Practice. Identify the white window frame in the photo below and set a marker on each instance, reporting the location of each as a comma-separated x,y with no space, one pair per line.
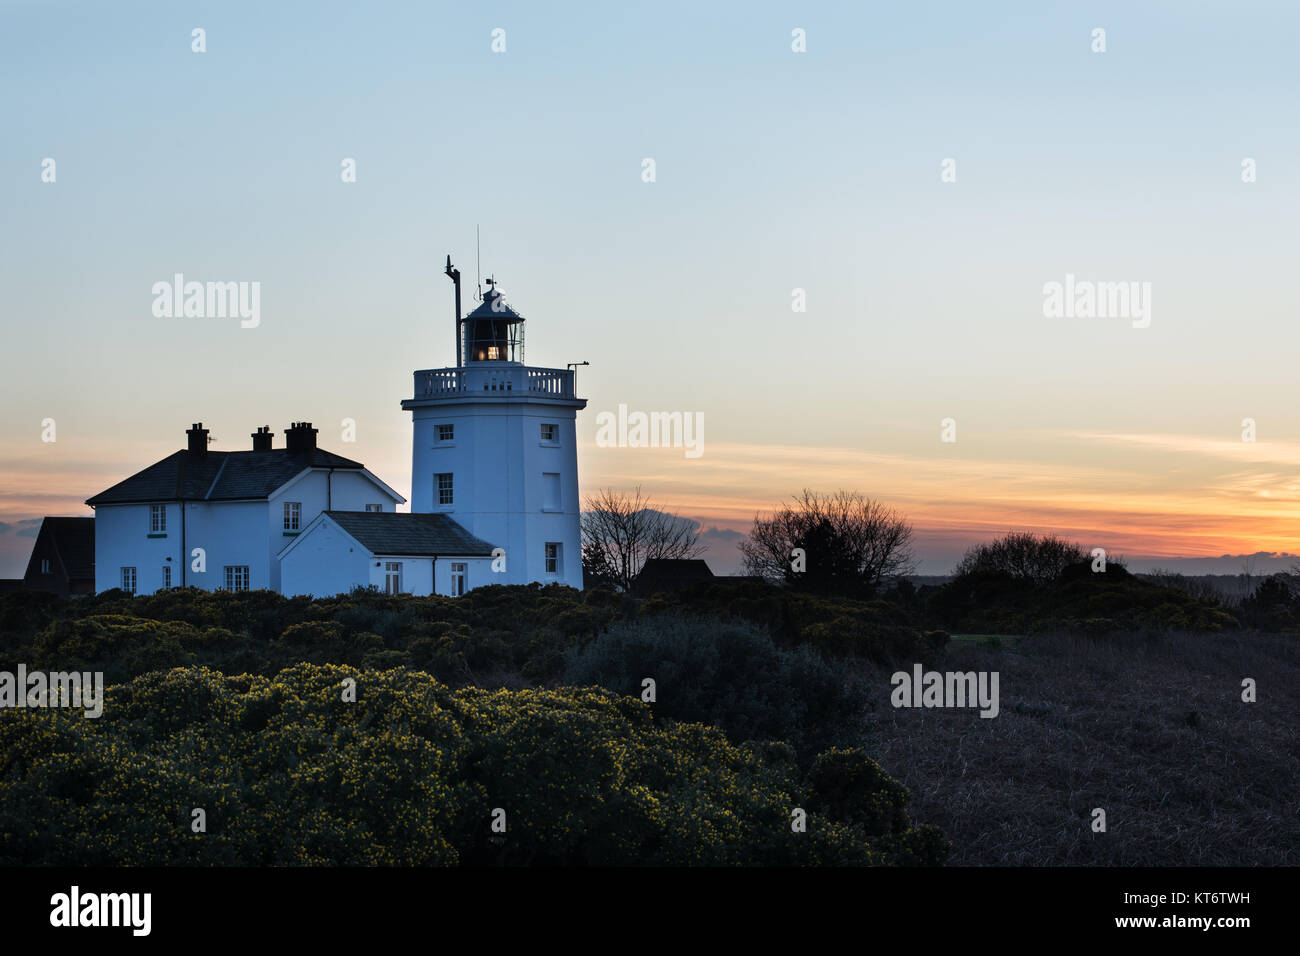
166,575
157,519
554,558
459,577
234,575
554,438
392,577
442,439
293,516
129,579
374,509
450,489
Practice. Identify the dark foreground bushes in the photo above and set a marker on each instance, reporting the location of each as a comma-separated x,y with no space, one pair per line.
288,772
729,674
1078,601
515,635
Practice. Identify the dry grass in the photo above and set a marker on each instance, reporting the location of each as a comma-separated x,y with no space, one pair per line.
1150,728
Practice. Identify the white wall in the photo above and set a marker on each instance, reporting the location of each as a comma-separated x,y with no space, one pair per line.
319,490
325,561
498,459
228,532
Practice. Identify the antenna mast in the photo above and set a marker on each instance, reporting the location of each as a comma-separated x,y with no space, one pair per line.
478,263
454,275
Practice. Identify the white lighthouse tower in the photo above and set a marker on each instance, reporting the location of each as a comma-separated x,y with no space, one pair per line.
495,447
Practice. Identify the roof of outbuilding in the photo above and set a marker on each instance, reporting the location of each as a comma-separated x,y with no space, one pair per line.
219,475
401,533
74,539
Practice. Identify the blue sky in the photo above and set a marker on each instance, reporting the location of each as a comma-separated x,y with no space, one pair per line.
774,171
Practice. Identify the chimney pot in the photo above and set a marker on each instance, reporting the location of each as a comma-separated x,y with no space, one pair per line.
198,439
300,436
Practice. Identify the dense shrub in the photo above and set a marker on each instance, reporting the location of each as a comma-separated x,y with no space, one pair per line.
838,627
1079,601
1022,556
288,772
729,674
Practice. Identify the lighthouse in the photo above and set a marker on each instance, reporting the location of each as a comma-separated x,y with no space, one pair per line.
494,447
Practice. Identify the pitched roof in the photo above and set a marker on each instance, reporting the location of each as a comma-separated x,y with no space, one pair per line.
672,573
219,475
389,532
74,541
489,308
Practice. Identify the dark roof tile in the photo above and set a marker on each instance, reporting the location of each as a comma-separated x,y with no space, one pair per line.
218,475
401,533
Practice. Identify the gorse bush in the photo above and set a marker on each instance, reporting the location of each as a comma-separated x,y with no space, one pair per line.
726,673
289,773
520,634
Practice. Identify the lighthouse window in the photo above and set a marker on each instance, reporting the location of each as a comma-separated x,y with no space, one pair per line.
443,482
493,353
446,432
552,557
551,433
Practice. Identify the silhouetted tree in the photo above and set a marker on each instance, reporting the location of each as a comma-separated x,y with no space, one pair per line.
1024,556
621,532
850,544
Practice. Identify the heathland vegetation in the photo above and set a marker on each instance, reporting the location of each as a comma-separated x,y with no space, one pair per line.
537,724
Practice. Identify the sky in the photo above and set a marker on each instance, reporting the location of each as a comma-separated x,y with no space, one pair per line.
917,176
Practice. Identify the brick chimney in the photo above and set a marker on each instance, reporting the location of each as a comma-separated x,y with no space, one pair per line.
300,436
198,439
262,439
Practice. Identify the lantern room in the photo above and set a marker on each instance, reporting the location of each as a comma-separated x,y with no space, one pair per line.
493,332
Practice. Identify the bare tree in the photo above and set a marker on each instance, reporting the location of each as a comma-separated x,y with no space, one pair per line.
621,532
850,544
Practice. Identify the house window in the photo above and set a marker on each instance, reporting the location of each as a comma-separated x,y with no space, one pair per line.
166,575
446,432
45,565
551,433
292,515
393,577
458,569
236,577
550,491
373,508
552,557
128,580
442,484
157,519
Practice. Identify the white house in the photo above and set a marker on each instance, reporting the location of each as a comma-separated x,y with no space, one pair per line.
494,478
218,519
